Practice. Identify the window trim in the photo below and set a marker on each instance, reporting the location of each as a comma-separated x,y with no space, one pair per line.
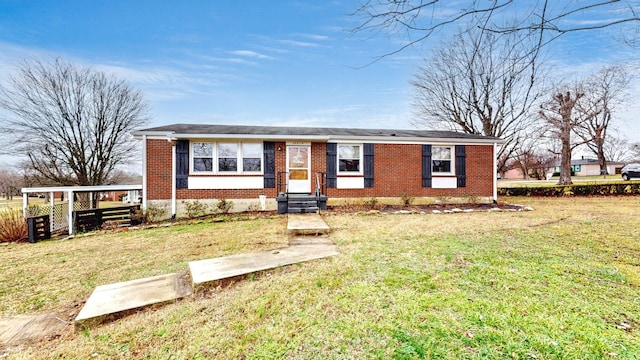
215,158
360,171
192,169
453,161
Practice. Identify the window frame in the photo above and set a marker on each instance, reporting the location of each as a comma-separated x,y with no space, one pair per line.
452,167
215,158
192,157
360,159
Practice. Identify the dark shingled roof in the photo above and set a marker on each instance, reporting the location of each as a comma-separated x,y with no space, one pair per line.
274,131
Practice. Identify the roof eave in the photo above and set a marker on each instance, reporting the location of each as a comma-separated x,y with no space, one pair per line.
376,139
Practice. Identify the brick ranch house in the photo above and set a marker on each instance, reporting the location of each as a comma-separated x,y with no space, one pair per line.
246,163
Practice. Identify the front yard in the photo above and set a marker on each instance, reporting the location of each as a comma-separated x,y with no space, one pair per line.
562,281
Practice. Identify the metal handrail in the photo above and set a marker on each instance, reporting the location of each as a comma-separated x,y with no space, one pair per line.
321,184
285,182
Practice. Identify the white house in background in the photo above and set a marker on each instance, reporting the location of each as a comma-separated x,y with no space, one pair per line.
590,167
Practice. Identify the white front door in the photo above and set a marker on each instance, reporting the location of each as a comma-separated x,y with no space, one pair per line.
299,168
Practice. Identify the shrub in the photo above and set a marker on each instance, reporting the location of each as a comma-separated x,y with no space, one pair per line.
195,208
154,213
224,206
615,189
370,202
406,198
13,226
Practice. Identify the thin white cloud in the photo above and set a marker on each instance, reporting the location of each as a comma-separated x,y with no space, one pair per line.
316,37
296,43
251,54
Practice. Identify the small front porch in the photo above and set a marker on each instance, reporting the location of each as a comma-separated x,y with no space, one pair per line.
301,202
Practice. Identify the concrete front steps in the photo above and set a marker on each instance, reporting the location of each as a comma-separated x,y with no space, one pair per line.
107,300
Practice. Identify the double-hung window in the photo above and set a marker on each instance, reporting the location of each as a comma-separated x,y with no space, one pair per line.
251,157
226,157
441,159
349,159
202,157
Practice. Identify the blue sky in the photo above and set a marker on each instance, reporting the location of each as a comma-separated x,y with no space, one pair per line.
291,63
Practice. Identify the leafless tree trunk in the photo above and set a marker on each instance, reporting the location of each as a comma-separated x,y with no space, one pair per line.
417,20
480,84
72,124
604,91
558,114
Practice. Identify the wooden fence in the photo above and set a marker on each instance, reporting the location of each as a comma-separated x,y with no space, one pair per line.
39,228
94,219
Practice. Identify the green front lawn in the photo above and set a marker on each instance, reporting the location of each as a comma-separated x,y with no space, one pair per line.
560,282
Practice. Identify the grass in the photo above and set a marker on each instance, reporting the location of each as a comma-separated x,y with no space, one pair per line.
560,282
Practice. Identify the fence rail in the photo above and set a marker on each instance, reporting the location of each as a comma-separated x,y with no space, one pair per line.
94,219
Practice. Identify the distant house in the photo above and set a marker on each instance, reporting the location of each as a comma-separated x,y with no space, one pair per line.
590,167
513,173
245,163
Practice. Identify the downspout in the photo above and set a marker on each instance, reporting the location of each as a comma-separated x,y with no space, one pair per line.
173,178
495,174
144,172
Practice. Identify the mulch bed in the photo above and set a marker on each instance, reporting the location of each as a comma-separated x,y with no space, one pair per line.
431,208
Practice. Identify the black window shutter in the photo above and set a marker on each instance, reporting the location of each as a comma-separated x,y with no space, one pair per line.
182,164
461,166
426,166
368,165
269,150
332,164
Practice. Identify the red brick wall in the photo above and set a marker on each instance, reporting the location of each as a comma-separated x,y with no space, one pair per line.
158,170
398,169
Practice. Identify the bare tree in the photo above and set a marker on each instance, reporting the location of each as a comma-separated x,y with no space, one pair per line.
558,113
479,84
617,148
73,124
604,91
10,182
417,20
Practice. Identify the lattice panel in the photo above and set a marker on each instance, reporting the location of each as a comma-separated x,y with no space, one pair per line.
59,219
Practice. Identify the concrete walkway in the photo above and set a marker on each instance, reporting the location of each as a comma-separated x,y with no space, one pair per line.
120,297
114,298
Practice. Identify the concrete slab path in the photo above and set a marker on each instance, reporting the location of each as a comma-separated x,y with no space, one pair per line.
205,272
306,224
128,295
